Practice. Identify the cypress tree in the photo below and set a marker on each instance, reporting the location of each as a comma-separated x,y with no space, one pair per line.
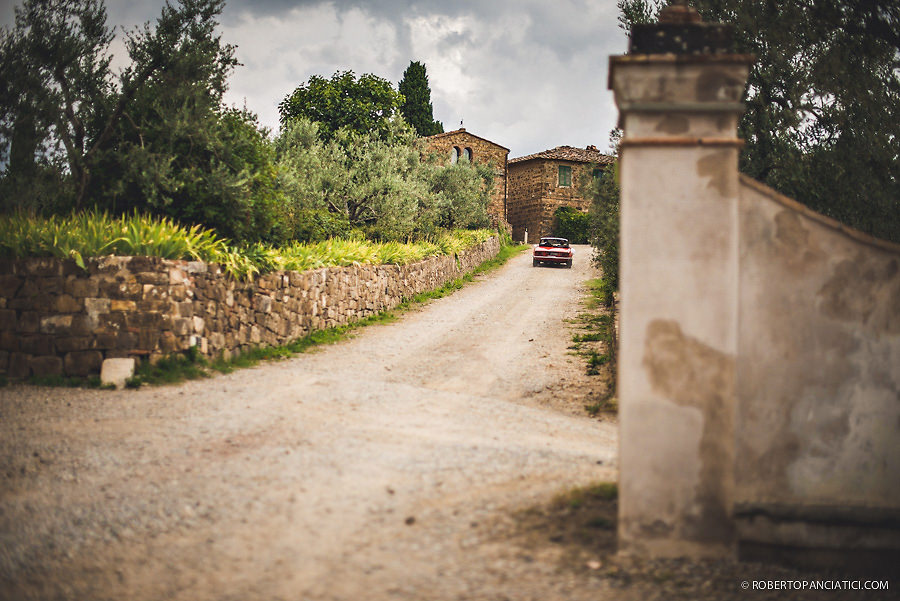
416,107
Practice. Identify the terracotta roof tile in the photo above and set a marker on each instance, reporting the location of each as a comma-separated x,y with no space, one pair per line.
570,153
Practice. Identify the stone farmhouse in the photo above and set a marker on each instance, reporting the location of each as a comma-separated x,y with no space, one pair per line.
541,183
460,144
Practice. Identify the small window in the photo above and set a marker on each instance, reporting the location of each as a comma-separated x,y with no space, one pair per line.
467,154
597,173
454,154
565,176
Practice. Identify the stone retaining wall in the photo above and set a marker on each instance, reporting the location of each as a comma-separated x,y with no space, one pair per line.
56,318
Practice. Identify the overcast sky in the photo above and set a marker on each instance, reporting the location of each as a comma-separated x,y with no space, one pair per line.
527,74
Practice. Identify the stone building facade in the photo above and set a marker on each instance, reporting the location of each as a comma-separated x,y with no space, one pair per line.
460,144
541,183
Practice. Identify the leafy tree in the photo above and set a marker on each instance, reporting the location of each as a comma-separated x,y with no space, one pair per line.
822,101
462,192
60,107
177,152
604,215
55,93
362,105
416,107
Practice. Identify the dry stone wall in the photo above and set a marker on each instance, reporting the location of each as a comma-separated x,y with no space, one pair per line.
56,318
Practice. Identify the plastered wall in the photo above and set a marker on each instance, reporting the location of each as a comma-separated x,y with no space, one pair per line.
759,363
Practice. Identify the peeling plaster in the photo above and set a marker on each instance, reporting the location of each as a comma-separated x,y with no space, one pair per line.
693,374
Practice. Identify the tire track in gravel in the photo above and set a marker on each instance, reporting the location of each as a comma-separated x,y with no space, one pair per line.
367,469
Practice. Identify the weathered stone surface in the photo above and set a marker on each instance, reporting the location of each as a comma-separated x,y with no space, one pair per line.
9,285
67,304
56,324
121,307
36,344
82,363
18,365
9,341
7,319
117,371
81,287
73,343
46,366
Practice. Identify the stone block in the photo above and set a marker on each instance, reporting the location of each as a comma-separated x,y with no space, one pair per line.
9,341
43,267
29,322
19,365
199,324
56,324
46,366
139,264
148,339
176,276
153,278
178,292
81,287
122,305
167,342
182,326
7,319
9,285
117,371
195,267
97,306
83,363
68,344
53,286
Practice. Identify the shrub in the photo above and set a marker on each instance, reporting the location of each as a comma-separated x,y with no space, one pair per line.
573,225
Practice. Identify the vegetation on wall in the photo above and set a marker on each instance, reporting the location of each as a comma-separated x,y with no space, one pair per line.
90,234
821,103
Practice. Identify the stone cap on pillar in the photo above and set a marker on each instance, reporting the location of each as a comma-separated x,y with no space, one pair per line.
680,30
680,66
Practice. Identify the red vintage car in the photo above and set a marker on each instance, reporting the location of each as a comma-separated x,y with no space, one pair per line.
553,250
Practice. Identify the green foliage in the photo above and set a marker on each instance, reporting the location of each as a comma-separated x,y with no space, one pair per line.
572,224
416,107
604,224
365,105
383,187
63,114
821,102
462,192
92,234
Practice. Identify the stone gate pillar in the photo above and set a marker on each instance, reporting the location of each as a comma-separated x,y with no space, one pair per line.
679,95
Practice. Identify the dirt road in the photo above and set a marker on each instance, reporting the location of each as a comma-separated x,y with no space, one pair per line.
371,469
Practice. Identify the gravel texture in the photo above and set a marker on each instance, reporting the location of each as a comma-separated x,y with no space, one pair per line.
396,465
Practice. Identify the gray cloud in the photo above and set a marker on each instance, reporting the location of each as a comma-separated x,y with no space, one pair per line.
528,74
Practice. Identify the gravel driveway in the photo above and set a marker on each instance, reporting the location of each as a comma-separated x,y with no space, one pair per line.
371,469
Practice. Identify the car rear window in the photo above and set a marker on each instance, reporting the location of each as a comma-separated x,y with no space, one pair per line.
555,242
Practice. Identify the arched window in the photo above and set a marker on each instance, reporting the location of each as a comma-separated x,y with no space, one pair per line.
454,154
467,154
